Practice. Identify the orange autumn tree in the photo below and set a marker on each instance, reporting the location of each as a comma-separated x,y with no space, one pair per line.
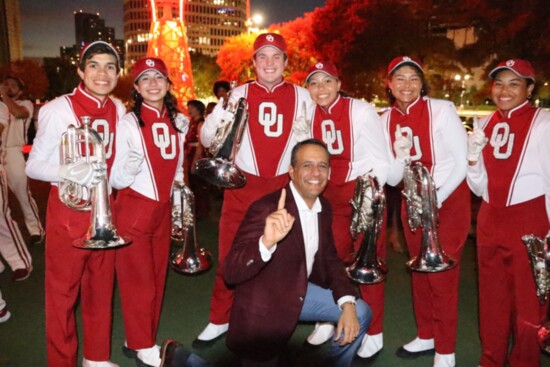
235,56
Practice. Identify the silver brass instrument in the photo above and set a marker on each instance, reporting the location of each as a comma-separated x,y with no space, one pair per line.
539,256
190,259
421,203
367,268
221,170
101,234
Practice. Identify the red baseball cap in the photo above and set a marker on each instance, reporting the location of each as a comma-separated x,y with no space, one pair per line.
90,46
270,39
404,60
325,67
149,64
522,68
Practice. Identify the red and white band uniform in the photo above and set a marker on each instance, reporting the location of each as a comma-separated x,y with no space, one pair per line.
12,246
264,157
439,142
513,178
354,137
149,191
70,269
14,165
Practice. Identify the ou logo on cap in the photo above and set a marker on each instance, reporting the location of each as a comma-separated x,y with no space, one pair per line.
150,62
319,65
510,63
269,38
406,58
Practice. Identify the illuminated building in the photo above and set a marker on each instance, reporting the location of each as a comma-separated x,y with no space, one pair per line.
208,23
11,47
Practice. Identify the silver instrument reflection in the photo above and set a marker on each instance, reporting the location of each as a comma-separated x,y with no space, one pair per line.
101,233
190,259
221,170
539,257
367,268
421,203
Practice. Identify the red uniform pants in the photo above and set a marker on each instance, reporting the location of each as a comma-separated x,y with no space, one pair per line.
235,205
141,266
68,270
508,303
435,295
339,197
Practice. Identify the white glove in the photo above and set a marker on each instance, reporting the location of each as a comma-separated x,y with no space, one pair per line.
221,115
84,173
367,203
133,163
182,124
402,144
476,142
302,126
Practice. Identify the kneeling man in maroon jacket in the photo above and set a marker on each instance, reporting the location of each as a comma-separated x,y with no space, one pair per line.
285,269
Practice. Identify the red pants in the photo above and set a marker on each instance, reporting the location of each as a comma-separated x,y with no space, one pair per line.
68,270
435,295
508,304
141,266
235,205
339,197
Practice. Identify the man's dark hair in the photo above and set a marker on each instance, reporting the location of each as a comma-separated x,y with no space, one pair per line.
198,105
221,84
97,49
17,80
297,147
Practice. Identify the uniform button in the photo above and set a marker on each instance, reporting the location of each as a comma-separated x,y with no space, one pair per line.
249,262
301,299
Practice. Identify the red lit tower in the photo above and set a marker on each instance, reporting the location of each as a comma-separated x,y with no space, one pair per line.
169,43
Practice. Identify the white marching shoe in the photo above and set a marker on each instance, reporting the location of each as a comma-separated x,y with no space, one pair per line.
370,345
322,332
88,363
418,347
148,357
210,334
444,360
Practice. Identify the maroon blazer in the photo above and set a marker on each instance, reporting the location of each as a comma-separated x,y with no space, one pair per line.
269,296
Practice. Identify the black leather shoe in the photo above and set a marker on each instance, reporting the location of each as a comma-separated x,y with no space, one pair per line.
368,360
129,353
403,353
201,344
173,354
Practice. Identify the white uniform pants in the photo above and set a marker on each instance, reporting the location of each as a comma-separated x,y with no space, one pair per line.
17,180
12,246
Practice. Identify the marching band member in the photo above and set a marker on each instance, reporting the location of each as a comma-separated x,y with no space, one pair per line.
512,175
69,269
429,131
21,111
354,137
149,160
12,246
264,156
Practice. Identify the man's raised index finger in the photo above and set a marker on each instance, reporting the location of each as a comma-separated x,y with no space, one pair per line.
282,199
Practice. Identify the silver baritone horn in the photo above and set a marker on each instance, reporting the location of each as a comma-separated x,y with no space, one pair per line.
539,256
367,268
101,234
421,201
190,259
221,170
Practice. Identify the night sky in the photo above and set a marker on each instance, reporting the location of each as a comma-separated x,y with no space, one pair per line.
47,25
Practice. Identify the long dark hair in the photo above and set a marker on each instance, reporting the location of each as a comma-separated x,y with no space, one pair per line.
169,101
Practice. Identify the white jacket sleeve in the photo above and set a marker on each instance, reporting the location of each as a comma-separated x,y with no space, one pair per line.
544,151
456,141
476,175
43,162
127,138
